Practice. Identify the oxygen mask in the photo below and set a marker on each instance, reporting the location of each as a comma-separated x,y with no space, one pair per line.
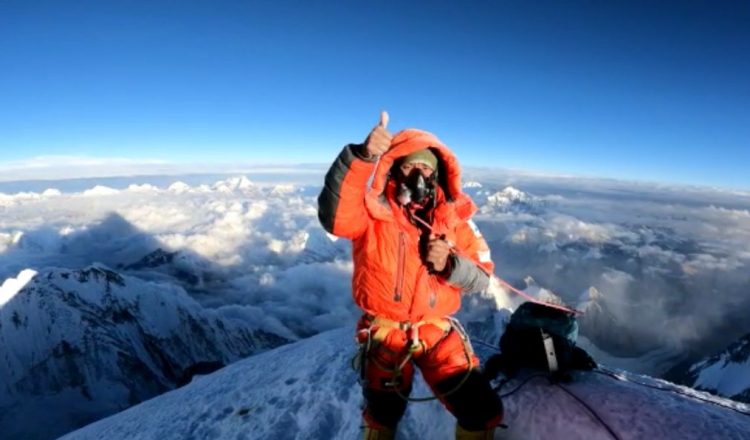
415,190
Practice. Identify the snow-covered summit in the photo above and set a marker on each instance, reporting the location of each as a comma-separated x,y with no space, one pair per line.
509,199
234,184
307,390
187,269
509,193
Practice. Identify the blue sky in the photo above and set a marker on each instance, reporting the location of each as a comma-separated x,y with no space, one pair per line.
636,90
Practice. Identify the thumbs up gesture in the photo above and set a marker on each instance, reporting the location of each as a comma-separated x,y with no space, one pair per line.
379,140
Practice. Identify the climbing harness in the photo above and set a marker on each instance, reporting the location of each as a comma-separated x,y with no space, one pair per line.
378,329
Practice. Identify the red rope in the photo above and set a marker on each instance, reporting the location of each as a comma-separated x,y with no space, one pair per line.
502,281
534,300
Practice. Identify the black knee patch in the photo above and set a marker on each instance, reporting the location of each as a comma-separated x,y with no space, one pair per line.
385,407
474,403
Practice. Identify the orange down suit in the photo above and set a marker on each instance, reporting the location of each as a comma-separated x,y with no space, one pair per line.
391,279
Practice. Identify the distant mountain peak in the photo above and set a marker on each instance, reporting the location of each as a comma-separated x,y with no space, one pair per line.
153,259
588,298
233,184
513,193
726,373
509,199
178,264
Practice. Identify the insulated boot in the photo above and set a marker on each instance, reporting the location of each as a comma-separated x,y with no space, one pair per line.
462,434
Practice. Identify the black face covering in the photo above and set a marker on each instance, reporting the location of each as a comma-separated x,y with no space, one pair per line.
415,189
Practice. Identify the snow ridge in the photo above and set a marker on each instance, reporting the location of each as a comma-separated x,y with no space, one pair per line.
726,373
114,339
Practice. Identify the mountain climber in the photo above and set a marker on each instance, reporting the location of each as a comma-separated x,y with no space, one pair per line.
415,251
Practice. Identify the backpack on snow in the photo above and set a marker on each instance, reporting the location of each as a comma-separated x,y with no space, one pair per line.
539,338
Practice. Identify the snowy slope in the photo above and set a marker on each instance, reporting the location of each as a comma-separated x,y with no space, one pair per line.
302,390
77,345
307,390
727,373
606,404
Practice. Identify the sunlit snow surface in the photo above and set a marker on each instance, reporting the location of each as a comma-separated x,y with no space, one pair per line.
11,286
307,390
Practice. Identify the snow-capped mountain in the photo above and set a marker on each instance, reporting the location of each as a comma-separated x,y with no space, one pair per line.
307,390
77,345
471,184
509,199
322,246
240,184
187,270
726,373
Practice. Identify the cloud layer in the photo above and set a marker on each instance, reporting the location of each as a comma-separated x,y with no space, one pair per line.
670,264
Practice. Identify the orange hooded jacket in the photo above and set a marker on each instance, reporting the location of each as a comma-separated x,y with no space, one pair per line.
390,278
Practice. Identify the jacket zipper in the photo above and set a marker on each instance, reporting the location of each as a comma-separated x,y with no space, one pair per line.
400,269
433,289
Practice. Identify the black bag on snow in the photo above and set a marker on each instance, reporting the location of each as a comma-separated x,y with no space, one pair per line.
540,338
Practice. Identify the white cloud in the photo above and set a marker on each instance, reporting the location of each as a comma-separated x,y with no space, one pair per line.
261,246
51,192
142,188
100,190
179,187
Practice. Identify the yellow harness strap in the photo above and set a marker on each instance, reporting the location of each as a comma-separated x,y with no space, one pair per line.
383,326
